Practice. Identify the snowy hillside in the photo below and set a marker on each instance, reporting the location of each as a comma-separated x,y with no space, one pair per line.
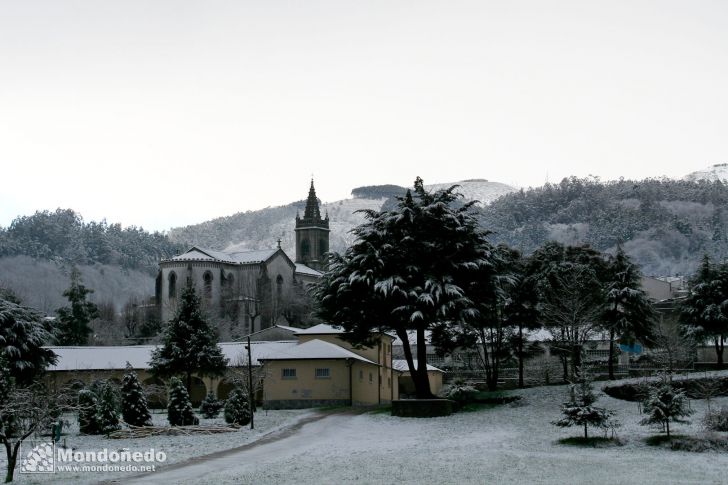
262,228
477,189
718,171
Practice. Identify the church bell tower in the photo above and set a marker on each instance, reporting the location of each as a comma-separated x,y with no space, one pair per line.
312,234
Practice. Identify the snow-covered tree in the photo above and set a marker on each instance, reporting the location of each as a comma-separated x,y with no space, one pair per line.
107,411
211,406
134,406
705,310
628,313
407,270
237,410
87,412
190,344
580,411
23,334
73,320
665,404
179,407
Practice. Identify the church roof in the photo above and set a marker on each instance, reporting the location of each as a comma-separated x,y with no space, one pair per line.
198,253
303,269
316,349
116,356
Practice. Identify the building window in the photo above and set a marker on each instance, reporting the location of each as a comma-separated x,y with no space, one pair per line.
361,375
389,382
288,373
172,285
323,373
279,288
371,377
305,248
207,279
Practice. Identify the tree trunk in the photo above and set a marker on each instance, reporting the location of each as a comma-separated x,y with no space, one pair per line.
520,357
667,427
565,365
422,381
719,345
610,362
189,384
586,434
12,455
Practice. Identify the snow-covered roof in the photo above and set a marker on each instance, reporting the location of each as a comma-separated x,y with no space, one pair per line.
303,269
316,349
116,357
320,329
412,336
197,253
401,366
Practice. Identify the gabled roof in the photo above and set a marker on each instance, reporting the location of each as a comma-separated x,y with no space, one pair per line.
303,269
400,365
320,329
198,253
316,349
116,357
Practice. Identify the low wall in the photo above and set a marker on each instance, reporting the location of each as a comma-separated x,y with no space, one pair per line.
304,403
422,408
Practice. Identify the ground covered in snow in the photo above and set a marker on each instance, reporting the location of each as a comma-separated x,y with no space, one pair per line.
177,448
507,444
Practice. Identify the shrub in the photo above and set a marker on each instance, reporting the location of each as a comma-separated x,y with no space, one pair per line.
179,407
211,406
107,412
134,406
461,393
87,404
237,410
716,420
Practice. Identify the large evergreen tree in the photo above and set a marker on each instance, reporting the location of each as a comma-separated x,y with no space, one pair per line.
407,270
23,333
73,320
628,313
190,344
705,310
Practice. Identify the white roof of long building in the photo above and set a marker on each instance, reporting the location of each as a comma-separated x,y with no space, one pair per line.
401,365
116,357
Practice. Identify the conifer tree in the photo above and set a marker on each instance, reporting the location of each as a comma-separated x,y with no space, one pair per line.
579,411
107,412
665,404
87,412
73,320
179,407
237,410
211,406
628,313
190,344
134,406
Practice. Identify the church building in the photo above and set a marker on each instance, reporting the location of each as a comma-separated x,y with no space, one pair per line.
252,288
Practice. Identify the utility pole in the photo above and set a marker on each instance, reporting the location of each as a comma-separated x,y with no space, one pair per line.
251,394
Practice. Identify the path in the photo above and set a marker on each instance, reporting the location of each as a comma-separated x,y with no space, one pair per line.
270,445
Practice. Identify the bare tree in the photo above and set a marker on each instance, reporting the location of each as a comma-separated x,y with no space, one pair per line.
674,347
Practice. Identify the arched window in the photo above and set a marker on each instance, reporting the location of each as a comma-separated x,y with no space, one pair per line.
305,248
207,279
323,246
279,287
172,285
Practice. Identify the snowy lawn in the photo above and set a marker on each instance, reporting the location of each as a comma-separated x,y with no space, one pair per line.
177,448
512,444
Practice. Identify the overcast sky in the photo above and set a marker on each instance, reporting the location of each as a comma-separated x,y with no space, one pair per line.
167,113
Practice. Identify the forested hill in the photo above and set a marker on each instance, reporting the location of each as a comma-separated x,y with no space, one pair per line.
62,236
666,225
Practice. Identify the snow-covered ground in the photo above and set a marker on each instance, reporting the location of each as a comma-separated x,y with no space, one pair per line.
719,171
177,448
507,444
514,444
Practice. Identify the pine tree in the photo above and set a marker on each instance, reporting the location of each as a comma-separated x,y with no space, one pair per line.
73,320
179,407
211,406
190,344
107,412
23,335
579,411
665,404
237,410
87,412
628,313
134,406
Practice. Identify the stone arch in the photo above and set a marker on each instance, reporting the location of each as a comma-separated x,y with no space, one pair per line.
224,388
156,392
198,391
